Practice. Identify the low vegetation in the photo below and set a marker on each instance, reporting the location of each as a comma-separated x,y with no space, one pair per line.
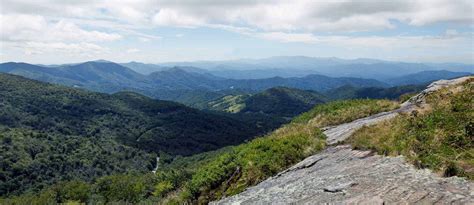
392,93
439,137
343,111
228,103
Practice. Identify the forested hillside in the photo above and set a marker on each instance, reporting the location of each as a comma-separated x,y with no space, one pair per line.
51,132
278,101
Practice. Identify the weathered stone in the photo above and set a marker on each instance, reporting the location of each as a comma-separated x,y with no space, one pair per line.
340,175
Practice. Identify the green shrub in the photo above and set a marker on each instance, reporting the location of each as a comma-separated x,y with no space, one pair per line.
343,111
253,162
438,138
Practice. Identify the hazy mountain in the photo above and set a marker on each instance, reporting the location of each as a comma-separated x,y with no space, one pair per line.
277,62
310,82
195,86
143,68
379,71
177,78
94,75
111,77
425,77
47,74
261,73
289,66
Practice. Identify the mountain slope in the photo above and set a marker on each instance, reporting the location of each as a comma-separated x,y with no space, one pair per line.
136,119
393,93
177,78
100,76
143,68
104,72
41,73
81,134
277,101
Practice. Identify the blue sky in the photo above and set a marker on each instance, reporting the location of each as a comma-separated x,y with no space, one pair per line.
152,31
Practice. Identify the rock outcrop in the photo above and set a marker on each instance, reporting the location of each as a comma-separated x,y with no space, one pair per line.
342,175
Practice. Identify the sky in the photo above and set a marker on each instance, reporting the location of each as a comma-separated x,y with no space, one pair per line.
153,31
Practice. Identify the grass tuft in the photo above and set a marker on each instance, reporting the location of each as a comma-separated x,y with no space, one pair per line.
440,138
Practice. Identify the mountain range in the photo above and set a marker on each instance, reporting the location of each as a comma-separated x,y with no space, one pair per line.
111,77
299,66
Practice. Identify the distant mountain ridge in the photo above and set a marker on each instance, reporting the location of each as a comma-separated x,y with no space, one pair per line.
194,86
111,77
333,67
425,77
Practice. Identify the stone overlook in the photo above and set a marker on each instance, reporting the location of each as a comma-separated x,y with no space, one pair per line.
340,174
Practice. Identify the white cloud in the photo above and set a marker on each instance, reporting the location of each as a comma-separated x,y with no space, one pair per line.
310,15
451,39
270,15
133,50
143,39
83,25
34,48
170,17
288,37
33,34
36,28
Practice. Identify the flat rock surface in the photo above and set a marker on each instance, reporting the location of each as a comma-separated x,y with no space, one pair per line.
342,175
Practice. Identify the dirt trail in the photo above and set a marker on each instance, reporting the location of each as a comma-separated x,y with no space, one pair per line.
342,175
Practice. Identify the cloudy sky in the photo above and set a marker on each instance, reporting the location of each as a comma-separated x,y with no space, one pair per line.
59,31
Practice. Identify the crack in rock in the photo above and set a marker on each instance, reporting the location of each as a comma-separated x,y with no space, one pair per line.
339,187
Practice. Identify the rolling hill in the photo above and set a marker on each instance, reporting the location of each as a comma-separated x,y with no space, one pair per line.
277,101
52,108
392,93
